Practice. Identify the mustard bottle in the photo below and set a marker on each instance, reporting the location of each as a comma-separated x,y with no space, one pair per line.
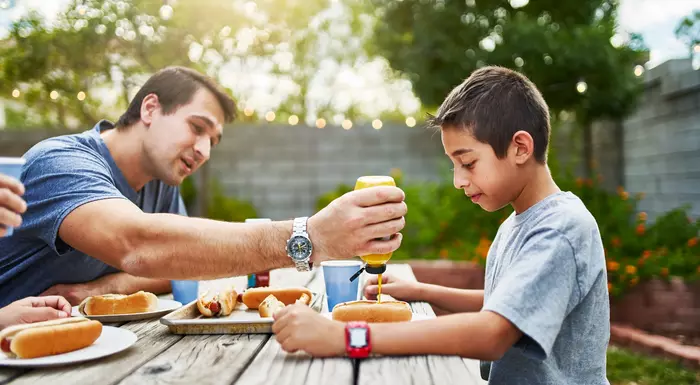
375,263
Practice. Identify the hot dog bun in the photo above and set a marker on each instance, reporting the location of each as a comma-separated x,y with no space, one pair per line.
47,338
110,304
217,305
269,306
253,297
371,311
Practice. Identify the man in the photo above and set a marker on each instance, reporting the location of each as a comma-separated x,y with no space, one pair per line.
30,309
101,204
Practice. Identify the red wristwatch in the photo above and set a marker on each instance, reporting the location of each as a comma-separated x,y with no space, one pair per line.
357,341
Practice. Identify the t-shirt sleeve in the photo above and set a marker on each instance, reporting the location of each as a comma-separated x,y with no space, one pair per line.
57,181
536,290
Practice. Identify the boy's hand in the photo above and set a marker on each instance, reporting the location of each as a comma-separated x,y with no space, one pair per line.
298,327
397,288
34,309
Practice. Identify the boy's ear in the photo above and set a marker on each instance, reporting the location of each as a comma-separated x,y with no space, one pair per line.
522,146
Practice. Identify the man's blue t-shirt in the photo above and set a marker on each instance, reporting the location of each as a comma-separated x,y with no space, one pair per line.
61,174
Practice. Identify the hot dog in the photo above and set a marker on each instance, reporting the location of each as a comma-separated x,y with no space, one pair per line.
217,305
371,311
110,304
47,338
253,297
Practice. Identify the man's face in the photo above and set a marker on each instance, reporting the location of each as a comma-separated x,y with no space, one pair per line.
176,145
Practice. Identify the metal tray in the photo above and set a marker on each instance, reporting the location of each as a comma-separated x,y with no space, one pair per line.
188,320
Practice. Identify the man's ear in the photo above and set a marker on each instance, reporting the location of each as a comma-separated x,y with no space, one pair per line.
149,105
522,146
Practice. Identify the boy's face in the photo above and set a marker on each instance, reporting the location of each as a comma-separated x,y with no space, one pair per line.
489,182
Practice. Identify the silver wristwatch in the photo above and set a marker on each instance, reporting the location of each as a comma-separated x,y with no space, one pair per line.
299,247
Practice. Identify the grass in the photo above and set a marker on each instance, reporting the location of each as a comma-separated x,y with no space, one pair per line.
629,368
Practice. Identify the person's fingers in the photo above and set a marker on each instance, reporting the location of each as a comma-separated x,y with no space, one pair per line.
12,184
385,212
38,314
9,218
55,301
12,201
382,247
377,195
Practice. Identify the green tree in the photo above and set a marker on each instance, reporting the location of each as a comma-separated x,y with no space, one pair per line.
115,45
688,31
565,47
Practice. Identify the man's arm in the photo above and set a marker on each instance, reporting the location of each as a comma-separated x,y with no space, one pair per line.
176,247
117,283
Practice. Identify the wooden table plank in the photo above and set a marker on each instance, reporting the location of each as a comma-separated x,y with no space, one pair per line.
274,366
431,369
201,359
212,359
8,374
153,339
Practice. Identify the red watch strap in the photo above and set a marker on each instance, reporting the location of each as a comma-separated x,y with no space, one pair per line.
357,352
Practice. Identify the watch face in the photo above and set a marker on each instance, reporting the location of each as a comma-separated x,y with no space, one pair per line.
299,248
358,337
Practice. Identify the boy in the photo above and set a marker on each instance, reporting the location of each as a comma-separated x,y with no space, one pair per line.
543,317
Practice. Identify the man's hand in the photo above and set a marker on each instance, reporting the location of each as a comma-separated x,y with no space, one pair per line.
34,309
73,293
351,225
298,327
11,205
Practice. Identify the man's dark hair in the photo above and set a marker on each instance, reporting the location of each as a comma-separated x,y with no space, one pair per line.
175,87
493,104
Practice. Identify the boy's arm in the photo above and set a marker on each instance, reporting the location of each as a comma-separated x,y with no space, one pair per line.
451,299
484,335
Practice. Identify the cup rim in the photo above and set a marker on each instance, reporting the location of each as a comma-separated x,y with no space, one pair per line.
12,160
341,263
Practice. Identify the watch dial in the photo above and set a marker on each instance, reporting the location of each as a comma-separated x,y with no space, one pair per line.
358,337
299,248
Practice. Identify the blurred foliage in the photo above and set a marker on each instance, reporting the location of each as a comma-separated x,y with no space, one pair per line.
555,43
443,224
110,45
688,30
625,367
220,206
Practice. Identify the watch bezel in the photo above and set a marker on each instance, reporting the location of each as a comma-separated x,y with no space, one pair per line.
307,255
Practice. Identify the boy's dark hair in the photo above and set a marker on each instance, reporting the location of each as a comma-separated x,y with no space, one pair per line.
493,104
175,87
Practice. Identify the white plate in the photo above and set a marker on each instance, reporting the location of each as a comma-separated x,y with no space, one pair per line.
112,340
416,316
165,306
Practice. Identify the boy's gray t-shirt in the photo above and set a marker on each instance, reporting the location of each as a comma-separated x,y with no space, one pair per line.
545,273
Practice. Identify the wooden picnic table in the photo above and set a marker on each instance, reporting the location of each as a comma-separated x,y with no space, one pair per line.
159,357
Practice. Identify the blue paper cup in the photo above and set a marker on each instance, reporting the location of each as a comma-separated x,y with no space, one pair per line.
339,289
185,291
13,168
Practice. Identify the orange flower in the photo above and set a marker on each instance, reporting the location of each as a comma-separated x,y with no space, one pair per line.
579,181
664,271
692,241
589,182
698,269
616,242
646,254
641,229
642,216
641,196
630,269
634,281
458,243
613,266
620,190
625,195
443,254
610,286
482,249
